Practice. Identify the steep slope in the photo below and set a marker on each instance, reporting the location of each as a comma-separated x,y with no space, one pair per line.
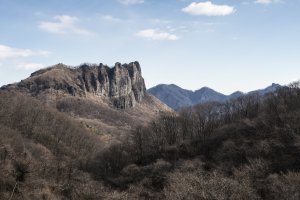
108,101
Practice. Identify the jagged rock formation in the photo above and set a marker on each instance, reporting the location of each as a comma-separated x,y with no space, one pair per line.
109,102
123,84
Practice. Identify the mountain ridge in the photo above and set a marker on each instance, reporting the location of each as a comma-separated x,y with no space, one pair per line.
123,84
109,101
176,97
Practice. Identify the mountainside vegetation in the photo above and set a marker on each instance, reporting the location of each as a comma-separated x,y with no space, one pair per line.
246,148
41,151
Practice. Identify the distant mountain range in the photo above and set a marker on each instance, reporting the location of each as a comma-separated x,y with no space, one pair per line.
177,97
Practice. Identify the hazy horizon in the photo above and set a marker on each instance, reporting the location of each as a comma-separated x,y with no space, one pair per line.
225,45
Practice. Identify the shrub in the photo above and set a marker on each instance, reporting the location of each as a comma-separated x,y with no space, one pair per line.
284,186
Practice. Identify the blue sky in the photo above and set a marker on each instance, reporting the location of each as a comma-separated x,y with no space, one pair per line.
226,45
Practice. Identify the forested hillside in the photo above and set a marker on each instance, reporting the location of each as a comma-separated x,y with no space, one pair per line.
248,148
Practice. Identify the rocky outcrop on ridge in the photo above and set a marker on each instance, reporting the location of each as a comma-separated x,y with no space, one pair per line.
123,85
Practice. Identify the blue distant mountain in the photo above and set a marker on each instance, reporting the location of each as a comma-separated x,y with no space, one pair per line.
177,97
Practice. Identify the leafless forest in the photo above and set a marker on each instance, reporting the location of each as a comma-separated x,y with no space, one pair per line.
248,148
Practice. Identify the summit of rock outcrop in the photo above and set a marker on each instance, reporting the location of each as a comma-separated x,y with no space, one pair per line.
123,84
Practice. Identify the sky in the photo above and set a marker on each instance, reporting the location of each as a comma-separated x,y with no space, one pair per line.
226,45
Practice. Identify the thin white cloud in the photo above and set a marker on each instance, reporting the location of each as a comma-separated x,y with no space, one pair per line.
64,25
131,2
7,52
159,21
30,66
153,34
111,18
266,2
209,9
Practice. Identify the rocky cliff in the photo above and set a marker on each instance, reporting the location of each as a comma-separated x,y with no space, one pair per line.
123,85
108,101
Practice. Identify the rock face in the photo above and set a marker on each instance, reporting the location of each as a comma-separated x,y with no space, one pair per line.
123,84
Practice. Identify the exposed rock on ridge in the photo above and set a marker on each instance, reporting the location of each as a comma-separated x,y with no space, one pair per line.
123,84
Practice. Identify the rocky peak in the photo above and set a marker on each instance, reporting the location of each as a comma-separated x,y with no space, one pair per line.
122,84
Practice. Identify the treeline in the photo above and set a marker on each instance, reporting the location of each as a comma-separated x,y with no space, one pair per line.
250,144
